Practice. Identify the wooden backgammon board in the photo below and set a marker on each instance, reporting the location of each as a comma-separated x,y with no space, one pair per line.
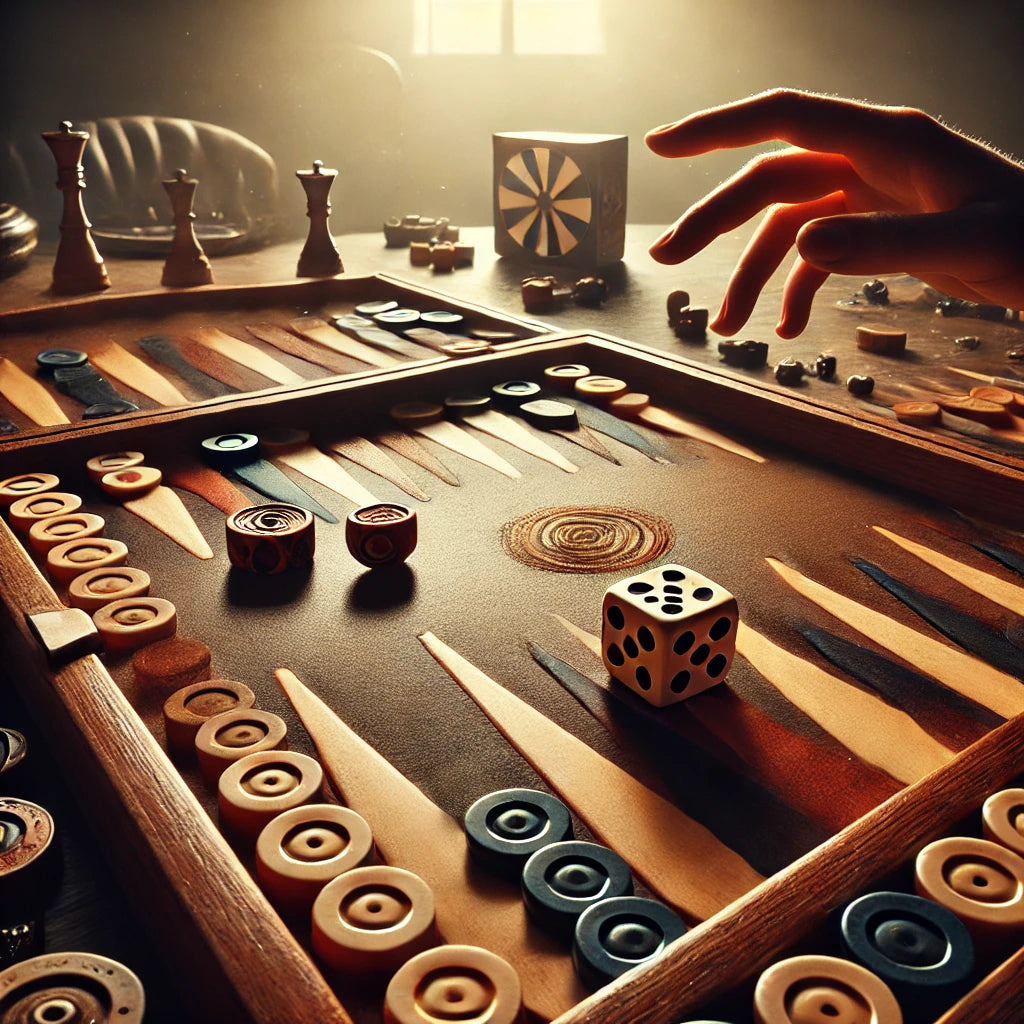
755,810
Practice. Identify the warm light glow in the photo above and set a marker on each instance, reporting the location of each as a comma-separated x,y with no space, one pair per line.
484,26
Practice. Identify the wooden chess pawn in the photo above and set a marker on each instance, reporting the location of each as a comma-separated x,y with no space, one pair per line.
79,267
187,265
319,257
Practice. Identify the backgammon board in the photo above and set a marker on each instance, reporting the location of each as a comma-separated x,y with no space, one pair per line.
475,665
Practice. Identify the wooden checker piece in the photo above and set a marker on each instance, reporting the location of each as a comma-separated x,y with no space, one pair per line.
371,920
981,882
100,465
304,848
231,735
254,790
45,534
132,622
883,340
71,558
454,983
821,988
170,664
271,539
95,588
25,484
597,388
68,988
1002,817
23,512
132,482
186,710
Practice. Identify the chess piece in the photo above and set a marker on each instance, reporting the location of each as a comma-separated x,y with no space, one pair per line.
319,256
79,267
187,265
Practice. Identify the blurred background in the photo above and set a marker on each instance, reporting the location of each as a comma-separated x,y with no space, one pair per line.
401,96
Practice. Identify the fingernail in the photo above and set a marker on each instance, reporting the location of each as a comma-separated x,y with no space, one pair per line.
824,243
662,240
662,128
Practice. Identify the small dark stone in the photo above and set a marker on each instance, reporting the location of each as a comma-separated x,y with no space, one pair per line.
590,291
825,366
876,292
678,301
789,371
968,343
747,354
1015,354
692,323
860,385
950,307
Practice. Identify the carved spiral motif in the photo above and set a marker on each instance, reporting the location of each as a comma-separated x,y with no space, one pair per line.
270,519
584,539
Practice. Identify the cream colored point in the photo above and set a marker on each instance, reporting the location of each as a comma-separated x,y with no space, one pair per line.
983,882
316,843
240,734
376,909
271,781
455,995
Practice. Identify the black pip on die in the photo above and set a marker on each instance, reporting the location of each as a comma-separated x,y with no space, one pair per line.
668,633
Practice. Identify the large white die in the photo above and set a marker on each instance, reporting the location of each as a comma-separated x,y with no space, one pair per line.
668,633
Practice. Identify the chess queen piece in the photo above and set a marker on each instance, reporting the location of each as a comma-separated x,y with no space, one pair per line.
187,265
79,267
319,257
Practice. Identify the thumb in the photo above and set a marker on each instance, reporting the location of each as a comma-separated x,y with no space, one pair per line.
980,242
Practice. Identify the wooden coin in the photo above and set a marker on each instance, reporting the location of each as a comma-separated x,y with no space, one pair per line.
97,587
258,787
45,534
1003,819
980,881
132,622
415,414
25,511
454,983
100,465
229,736
563,377
68,988
882,340
304,848
918,414
981,410
823,989
131,482
187,709
629,405
172,663
373,919
24,484
71,558
596,388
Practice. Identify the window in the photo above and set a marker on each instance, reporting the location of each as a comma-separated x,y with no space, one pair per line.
507,26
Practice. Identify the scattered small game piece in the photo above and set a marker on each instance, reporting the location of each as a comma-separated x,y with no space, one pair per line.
563,879
94,588
860,384
231,735
25,484
132,482
381,535
270,539
170,664
443,256
614,935
590,291
547,414
1001,821
789,371
398,319
443,319
540,293
981,410
918,414
949,307
471,982
132,622
374,306
677,304
319,256
13,748
100,465
186,265
78,267
511,394
304,848
51,359
876,292
1015,354
563,377
883,340
371,920
402,231
668,633
825,366
504,828
597,388
255,789
968,343
186,709
747,354
23,512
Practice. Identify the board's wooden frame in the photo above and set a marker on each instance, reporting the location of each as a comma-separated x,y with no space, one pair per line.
242,958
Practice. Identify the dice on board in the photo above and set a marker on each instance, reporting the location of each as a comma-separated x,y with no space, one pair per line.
668,633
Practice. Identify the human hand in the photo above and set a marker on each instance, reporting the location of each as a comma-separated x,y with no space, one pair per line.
860,190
